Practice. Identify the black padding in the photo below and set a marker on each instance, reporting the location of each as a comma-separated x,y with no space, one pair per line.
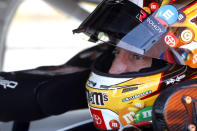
63,93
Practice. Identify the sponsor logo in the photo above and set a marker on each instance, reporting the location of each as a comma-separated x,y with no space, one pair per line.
138,105
137,96
91,83
154,6
168,14
170,39
7,83
141,16
98,118
129,117
97,98
154,25
181,17
114,124
147,114
129,89
144,114
187,35
173,80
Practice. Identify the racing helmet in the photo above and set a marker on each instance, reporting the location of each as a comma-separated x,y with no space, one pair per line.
123,100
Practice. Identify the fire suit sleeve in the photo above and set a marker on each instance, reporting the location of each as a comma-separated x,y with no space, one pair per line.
18,97
26,97
50,90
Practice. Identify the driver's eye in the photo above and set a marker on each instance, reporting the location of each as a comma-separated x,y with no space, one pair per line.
138,57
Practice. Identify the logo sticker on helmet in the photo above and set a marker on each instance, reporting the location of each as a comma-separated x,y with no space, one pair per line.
154,25
143,114
153,6
141,16
114,124
181,17
98,118
173,80
97,98
127,114
138,103
168,13
136,96
170,39
187,35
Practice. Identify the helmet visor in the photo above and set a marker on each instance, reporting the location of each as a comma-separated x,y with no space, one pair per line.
110,21
126,25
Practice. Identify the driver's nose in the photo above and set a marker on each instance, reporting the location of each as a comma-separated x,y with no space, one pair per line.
120,63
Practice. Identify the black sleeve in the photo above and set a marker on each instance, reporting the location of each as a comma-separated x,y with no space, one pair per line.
26,97
18,97
37,93
63,93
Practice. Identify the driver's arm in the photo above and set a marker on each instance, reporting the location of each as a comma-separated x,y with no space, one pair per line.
37,93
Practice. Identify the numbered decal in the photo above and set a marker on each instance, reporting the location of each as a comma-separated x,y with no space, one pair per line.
142,15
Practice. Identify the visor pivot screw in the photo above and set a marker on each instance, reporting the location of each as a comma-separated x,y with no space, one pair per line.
192,127
187,99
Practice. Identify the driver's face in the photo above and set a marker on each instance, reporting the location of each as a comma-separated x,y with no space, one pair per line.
126,61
